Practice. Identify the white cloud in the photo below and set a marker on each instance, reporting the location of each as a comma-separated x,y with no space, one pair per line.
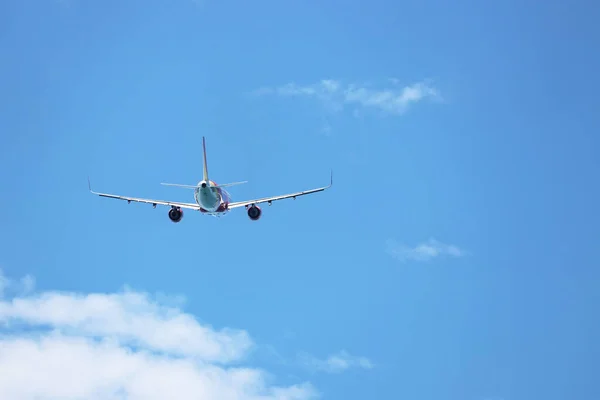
335,95
127,345
130,317
422,252
335,363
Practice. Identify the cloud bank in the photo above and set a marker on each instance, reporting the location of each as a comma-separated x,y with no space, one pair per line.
335,95
126,345
425,251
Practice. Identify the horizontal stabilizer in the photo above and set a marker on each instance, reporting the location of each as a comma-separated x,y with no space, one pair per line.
231,184
197,186
181,186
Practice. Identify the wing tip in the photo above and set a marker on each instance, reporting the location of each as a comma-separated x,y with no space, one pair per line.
90,186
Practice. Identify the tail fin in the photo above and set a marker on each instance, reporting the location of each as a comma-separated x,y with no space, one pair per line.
204,173
204,162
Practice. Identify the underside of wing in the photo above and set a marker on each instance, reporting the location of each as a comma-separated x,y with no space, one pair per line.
190,206
282,197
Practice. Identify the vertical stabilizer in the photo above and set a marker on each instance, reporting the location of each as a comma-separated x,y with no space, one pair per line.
205,167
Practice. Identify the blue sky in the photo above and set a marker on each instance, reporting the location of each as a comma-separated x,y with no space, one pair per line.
454,258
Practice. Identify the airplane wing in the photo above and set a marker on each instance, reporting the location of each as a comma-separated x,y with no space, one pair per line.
190,206
237,204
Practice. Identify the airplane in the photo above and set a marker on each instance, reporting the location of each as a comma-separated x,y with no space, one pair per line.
211,198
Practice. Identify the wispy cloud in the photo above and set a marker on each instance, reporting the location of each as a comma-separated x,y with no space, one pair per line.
422,252
22,286
125,345
335,363
335,95
3,284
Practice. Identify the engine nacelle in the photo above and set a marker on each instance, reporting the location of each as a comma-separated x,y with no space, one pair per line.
254,212
175,214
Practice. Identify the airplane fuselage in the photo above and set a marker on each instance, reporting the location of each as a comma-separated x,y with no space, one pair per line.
210,198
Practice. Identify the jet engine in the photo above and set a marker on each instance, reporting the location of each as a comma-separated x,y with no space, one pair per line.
254,212
175,214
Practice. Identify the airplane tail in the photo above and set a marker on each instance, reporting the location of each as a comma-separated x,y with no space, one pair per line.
204,173
204,162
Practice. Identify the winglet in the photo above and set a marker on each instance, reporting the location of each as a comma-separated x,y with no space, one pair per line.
331,178
90,187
